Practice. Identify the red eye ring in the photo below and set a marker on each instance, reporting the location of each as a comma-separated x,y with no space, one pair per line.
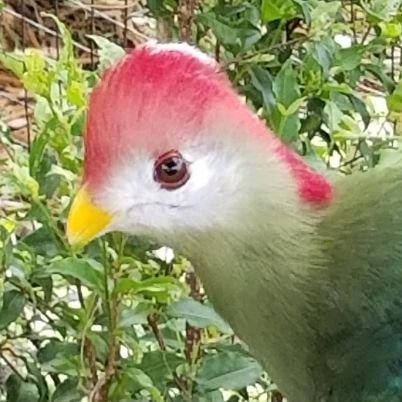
171,170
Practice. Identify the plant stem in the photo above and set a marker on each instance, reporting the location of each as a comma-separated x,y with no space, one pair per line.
186,13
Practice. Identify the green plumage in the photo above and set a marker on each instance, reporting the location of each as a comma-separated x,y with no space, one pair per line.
317,295
359,322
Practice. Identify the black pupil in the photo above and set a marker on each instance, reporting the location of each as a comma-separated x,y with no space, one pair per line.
171,171
172,166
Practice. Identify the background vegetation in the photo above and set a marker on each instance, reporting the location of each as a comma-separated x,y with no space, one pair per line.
120,322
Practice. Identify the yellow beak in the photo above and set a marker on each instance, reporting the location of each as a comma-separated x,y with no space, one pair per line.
86,221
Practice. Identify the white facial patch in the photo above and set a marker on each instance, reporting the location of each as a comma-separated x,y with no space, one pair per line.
205,200
183,48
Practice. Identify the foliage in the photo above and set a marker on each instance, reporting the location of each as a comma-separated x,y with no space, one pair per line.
117,322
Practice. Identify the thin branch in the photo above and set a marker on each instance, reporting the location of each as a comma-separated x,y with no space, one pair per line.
79,293
100,393
186,12
241,58
365,36
12,367
153,324
353,21
88,348
43,28
193,334
107,17
90,356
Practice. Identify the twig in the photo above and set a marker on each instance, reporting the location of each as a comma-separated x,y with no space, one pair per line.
114,6
100,393
43,28
125,24
186,13
217,51
153,324
28,123
94,395
366,34
106,17
14,100
164,28
79,293
12,367
241,58
371,137
92,44
193,335
90,356
87,345
353,21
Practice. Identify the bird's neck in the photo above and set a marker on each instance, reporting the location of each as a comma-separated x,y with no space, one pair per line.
256,278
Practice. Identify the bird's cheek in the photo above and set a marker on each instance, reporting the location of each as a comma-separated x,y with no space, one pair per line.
86,220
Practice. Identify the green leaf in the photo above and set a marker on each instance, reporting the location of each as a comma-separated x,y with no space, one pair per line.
13,62
381,10
324,15
333,115
285,85
55,348
86,271
68,391
160,366
144,381
37,151
272,10
262,81
305,8
391,30
198,315
77,94
285,125
322,52
360,108
159,8
67,53
21,391
225,33
132,381
42,242
394,100
228,370
348,59
35,376
162,287
36,78
63,364
381,75
109,52
136,315
12,306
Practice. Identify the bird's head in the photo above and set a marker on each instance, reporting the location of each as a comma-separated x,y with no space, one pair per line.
170,147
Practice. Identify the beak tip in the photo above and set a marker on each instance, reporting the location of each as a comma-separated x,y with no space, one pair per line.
85,221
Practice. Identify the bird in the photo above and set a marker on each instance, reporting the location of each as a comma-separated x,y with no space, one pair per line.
305,267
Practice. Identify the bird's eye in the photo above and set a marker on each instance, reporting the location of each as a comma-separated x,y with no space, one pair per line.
171,170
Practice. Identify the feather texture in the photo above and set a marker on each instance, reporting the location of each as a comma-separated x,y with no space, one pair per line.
158,97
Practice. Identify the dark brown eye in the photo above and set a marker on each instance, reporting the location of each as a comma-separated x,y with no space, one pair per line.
171,170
